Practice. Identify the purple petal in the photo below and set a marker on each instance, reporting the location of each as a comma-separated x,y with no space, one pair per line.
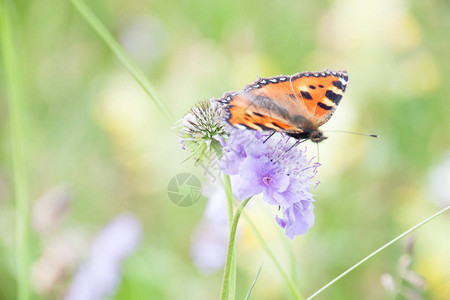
247,188
281,182
297,219
230,162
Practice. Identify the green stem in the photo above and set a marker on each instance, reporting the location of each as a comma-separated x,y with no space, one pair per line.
231,242
229,193
378,251
232,283
107,37
22,206
294,291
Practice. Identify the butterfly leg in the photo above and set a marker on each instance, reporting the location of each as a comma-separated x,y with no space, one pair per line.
296,144
269,136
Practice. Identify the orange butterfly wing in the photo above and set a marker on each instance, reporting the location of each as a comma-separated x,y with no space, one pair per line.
241,111
267,104
286,103
320,92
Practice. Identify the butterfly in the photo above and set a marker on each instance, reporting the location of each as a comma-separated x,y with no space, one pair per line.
296,105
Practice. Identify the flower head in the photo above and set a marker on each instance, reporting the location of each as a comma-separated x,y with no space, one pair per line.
284,176
257,165
200,132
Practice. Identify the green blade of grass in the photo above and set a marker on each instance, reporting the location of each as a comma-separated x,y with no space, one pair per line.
22,206
378,251
250,290
292,261
107,37
291,285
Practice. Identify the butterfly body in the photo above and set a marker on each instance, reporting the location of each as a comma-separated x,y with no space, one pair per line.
296,105
315,135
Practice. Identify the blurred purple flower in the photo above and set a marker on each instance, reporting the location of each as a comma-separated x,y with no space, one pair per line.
100,274
283,176
210,239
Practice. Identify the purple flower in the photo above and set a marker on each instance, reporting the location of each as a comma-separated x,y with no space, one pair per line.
297,219
100,274
210,239
283,175
260,175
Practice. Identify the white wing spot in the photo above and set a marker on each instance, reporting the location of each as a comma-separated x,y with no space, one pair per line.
273,80
344,82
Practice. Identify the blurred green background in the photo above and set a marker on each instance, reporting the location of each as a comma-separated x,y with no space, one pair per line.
90,127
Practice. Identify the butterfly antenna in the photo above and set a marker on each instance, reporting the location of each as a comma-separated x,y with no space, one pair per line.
269,136
358,133
318,153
